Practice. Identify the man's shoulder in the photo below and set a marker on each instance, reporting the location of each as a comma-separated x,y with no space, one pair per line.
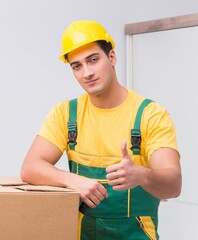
135,98
80,99
65,103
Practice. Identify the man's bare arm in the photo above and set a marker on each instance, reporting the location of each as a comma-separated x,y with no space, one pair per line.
38,168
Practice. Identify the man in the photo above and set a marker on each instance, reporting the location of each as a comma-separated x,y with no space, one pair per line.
122,188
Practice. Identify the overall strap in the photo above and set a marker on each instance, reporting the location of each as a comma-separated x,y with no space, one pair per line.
72,124
135,132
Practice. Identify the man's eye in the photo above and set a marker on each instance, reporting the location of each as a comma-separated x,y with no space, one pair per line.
92,60
76,67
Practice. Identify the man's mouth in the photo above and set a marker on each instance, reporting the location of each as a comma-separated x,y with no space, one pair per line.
90,82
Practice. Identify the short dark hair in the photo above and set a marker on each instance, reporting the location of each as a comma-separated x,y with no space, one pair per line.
104,45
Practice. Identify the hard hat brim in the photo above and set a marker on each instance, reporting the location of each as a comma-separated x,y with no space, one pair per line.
62,56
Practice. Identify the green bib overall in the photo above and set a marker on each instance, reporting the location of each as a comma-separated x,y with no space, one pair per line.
126,214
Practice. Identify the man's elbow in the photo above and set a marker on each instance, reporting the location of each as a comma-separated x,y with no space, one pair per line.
178,188
25,173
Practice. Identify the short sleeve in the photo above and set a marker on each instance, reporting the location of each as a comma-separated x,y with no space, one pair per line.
158,129
54,128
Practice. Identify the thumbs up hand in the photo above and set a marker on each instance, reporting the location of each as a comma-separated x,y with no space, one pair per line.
125,174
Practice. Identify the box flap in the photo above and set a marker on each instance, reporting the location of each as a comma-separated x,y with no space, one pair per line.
43,188
8,190
11,181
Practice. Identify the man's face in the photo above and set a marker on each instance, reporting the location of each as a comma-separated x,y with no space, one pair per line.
92,68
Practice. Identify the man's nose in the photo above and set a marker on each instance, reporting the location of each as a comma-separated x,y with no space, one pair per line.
88,72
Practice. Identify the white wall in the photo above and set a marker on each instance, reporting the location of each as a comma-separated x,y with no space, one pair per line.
32,79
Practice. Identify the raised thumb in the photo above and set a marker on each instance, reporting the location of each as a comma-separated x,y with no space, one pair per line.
124,148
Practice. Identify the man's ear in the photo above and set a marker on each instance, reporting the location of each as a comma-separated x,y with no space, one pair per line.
112,57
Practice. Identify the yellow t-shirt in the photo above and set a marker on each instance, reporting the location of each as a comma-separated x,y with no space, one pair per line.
101,131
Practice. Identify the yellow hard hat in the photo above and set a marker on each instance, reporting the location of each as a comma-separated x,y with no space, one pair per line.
80,33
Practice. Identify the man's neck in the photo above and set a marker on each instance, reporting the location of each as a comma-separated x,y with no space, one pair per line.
110,99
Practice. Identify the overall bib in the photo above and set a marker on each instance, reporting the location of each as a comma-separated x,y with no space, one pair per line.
127,214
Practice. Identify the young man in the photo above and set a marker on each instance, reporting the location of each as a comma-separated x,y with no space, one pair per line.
121,187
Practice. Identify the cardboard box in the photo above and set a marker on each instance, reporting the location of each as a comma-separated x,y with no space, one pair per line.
30,212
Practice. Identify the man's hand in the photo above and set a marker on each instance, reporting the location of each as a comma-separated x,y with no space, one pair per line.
126,174
91,191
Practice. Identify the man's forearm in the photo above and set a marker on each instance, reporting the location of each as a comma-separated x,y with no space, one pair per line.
162,183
